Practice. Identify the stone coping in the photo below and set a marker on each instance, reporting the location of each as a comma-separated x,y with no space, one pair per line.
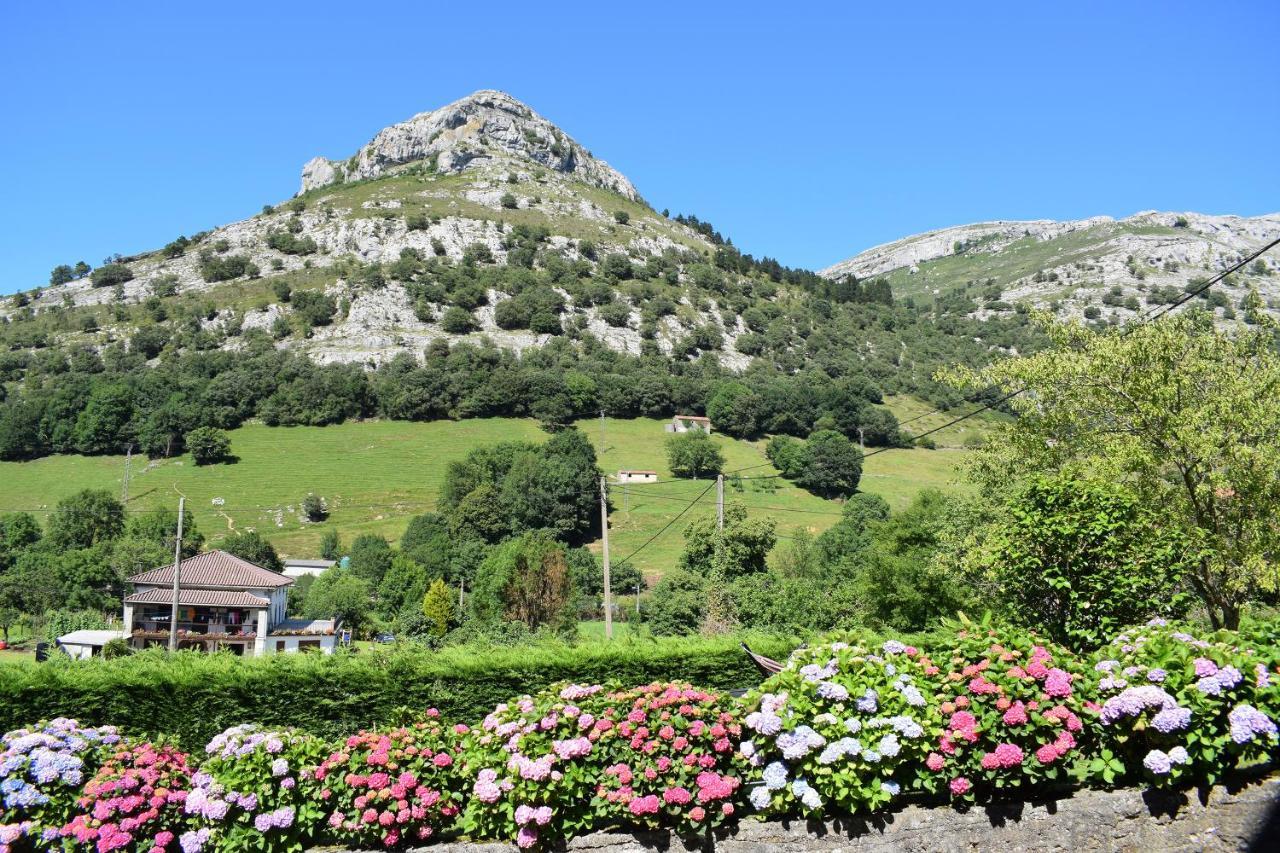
1241,817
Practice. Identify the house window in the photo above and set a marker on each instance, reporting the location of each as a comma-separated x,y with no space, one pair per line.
280,644
308,645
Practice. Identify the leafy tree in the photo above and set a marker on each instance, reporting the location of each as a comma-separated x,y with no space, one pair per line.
339,594
508,201
741,548
403,585
437,607
693,454
208,445
588,575
525,579
160,526
371,557
829,464
105,418
61,274
735,409
1080,560
621,217
1183,414
85,519
423,531
249,545
111,274
676,606
480,515
18,531
330,545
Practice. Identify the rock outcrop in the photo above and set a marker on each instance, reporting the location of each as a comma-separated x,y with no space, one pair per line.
467,133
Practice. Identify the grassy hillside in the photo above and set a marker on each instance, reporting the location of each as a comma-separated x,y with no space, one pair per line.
375,475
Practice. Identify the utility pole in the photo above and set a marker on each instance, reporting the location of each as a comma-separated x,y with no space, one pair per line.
177,571
603,446
128,466
604,530
462,586
637,599
719,501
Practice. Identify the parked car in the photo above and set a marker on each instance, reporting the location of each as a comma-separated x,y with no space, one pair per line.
385,637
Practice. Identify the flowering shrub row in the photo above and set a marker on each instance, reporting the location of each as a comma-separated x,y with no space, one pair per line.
847,726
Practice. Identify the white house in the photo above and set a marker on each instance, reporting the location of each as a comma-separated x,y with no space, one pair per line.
299,568
86,643
686,423
224,603
637,476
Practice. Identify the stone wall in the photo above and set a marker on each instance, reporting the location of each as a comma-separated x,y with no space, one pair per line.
1241,818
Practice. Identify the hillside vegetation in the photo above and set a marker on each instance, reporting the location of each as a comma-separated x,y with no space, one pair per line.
376,475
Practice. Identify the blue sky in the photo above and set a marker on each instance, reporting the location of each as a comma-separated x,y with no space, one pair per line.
804,131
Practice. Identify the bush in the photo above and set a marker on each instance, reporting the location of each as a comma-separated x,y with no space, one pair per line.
508,201
257,790
425,781
457,321
214,268
154,692
290,243
111,274
313,508
208,445
841,730
36,800
139,794
621,217
1178,709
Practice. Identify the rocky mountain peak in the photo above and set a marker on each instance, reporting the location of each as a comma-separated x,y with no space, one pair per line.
485,128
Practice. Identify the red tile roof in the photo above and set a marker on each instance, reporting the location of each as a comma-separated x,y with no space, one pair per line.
199,598
215,569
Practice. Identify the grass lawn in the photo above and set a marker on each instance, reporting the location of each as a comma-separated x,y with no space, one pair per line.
375,475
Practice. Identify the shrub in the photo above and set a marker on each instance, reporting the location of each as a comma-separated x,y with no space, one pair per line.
313,508
457,321
155,692
621,217
508,201
258,790
214,268
136,797
208,445
111,274
1177,708
842,728
42,770
393,787
1013,713
290,243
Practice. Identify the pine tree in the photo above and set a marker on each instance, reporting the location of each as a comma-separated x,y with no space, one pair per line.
437,606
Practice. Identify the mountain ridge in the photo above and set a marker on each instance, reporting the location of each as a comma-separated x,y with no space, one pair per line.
1070,263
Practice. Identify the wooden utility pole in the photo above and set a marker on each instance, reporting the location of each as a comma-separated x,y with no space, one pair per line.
177,571
604,530
462,587
128,466
719,501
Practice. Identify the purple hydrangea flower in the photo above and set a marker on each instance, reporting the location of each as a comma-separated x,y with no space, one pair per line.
1247,722
1171,720
1158,762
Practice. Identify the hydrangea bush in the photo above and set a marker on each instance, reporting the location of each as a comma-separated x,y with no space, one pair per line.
1176,707
1012,711
393,787
841,729
669,753
42,770
134,802
533,765
256,790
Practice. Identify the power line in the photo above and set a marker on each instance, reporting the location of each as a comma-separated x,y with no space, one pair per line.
666,526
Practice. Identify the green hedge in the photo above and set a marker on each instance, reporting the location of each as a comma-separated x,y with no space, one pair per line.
196,696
